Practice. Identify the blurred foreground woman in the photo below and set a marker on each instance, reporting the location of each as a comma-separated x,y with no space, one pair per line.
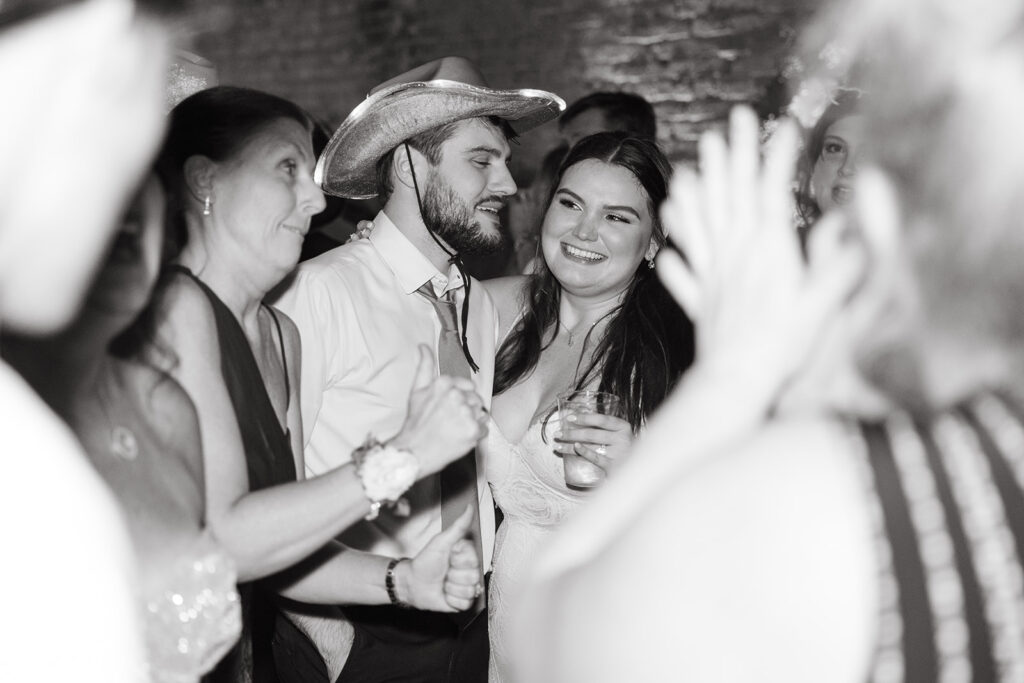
82,116
826,549
139,429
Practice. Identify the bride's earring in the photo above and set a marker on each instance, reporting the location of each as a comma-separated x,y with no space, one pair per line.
206,206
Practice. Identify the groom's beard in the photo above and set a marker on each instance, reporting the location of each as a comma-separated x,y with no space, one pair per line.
448,217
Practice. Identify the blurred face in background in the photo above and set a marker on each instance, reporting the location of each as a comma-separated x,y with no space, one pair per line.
836,167
82,127
125,281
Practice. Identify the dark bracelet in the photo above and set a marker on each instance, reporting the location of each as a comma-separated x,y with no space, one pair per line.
389,582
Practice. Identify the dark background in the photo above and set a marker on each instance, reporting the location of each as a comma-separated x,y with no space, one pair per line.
692,59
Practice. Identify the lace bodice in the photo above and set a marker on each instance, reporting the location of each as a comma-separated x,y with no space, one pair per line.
195,615
528,483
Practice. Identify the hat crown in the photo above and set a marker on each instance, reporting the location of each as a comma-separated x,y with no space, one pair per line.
458,69
434,94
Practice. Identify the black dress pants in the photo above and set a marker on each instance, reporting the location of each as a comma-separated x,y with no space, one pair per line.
391,644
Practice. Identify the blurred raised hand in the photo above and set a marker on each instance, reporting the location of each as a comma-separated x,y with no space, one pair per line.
759,310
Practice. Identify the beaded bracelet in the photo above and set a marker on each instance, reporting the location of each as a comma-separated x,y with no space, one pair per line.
389,582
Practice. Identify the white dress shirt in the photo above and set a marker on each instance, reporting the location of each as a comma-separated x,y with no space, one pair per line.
361,321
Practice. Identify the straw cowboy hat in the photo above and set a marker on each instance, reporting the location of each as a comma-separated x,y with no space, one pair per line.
435,94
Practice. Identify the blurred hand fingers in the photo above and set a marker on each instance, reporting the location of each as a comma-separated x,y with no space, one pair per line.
714,183
743,168
679,281
776,194
682,217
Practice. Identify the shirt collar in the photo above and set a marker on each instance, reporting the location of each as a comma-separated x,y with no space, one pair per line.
411,268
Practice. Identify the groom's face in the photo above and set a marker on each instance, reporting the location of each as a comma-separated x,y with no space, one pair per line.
468,187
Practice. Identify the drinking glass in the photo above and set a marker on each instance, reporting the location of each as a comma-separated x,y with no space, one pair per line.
580,472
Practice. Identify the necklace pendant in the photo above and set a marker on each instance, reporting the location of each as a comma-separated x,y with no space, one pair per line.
123,444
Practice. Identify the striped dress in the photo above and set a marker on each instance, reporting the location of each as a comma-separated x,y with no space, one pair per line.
947,495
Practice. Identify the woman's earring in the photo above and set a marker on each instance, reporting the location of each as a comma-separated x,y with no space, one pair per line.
206,206
650,261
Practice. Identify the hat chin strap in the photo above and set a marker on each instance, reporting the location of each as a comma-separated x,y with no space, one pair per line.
453,257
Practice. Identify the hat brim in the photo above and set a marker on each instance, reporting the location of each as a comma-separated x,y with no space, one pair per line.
347,167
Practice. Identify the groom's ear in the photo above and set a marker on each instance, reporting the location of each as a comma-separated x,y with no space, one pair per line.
405,163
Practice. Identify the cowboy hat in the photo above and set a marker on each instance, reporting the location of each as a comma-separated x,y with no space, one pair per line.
434,94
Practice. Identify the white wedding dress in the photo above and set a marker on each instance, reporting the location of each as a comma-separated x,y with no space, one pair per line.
528,484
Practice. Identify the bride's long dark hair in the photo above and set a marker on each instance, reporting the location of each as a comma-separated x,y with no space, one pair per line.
648,342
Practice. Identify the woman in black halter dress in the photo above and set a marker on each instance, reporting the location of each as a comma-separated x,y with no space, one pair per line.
238,165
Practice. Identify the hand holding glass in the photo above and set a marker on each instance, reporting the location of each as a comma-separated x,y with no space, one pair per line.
580,472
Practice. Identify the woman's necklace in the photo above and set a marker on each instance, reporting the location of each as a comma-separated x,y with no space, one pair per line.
123,443
571,334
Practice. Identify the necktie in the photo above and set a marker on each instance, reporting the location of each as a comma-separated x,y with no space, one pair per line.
458,479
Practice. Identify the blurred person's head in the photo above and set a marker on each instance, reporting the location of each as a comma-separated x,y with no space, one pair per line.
828,164
238,168
942,217
608,111
91,75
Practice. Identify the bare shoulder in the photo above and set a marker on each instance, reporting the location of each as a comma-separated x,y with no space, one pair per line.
182,301
507,294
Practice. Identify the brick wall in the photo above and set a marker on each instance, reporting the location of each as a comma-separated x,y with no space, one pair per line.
691,58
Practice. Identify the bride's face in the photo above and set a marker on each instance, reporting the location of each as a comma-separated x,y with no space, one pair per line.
598,229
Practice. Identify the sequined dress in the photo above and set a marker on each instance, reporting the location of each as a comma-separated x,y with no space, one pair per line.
195,615
528,483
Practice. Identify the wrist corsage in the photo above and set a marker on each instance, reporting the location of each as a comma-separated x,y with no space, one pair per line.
385,472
